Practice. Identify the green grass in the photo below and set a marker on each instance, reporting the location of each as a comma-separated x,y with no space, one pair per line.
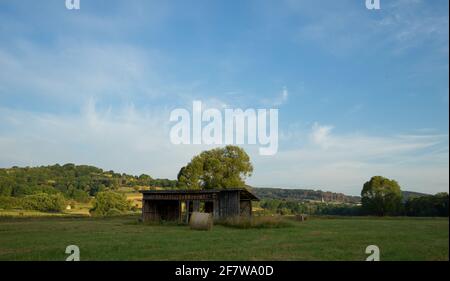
256,222
122,238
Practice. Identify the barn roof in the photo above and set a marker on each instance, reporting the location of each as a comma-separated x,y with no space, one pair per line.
244,193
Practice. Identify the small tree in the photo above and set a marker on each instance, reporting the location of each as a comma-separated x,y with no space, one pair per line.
108,203
44,202
381,196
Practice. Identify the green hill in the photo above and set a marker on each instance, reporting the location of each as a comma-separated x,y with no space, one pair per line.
410,194
74,181
317,195
304,195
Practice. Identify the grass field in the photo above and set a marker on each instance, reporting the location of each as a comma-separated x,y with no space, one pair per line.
123,238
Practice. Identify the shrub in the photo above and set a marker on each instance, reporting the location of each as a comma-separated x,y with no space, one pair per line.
255,222
113,212
110,203
10,203
44,202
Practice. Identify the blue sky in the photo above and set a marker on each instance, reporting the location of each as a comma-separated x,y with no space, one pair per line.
367,91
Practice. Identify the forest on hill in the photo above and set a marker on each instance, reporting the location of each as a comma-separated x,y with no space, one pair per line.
304,195
296,194
77,182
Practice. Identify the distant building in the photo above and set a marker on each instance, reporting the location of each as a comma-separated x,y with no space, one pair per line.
178,205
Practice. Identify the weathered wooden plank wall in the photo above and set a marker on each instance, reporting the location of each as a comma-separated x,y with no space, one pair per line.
246,208
229,204
153,210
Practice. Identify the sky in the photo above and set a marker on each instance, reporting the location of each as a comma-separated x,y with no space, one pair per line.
359,92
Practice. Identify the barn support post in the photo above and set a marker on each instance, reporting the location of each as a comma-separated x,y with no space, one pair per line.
216,208
188,206
180,211
144,202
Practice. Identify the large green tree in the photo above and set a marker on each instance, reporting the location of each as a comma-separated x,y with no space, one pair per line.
381,196
217,168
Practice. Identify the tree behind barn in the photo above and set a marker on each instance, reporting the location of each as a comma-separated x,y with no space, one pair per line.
216,168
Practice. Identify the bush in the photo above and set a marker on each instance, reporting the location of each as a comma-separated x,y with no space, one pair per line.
44,202
10,203
113,212
255,222
110,203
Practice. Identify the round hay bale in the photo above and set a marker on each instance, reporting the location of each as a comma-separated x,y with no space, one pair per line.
201,221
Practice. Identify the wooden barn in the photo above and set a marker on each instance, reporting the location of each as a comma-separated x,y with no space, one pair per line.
178,205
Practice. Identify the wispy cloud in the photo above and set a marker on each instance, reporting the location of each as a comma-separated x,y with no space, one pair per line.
73,73
320,135
344,161
277,101
398,27
121,138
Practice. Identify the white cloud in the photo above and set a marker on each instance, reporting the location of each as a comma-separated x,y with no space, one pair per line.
280,99
344,27
320,135
124,139
73,73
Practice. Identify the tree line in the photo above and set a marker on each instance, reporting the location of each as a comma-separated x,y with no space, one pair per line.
304,195
379,197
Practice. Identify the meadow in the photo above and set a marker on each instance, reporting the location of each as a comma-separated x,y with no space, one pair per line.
124,238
